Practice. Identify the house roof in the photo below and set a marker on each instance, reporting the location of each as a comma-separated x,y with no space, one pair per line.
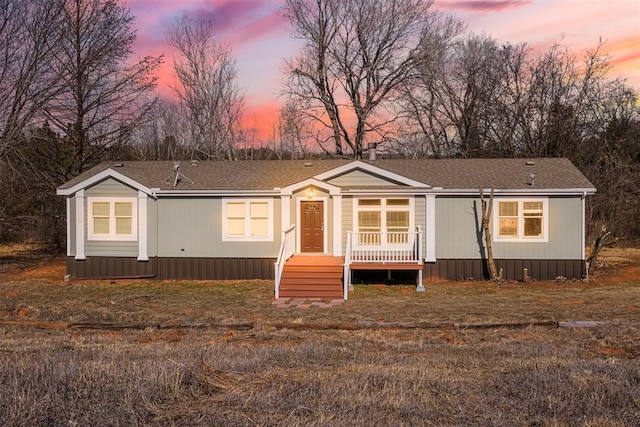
447,174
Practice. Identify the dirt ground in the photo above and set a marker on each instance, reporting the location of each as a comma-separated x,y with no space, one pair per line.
32,284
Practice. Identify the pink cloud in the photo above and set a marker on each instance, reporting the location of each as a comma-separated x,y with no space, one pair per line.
262,118
240,22
483,5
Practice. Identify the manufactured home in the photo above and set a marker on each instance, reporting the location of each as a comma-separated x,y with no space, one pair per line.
313,226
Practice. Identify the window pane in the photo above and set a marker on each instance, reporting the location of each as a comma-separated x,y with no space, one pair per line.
398,219
369,202
123,209
259,227
533,227
123,226
259,210
368,219
235,210
235,226
100,208
508,227
100,226
532,208
398,202
508,209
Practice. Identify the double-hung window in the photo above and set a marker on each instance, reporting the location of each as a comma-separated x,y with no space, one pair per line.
112,218
383,221
247,220
525,219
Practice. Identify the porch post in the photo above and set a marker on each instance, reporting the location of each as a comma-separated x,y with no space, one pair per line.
68,202
430,229
80,225
420,285
337,225
285,212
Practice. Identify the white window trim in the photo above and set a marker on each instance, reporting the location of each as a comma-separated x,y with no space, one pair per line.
521,238
247,226
112,219
383,208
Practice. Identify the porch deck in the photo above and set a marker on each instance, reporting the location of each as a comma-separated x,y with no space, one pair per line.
324,276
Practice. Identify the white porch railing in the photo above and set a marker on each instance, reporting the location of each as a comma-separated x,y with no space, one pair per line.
385,248
287,249
394,248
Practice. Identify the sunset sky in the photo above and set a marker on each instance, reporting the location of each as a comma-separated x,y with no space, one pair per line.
260,38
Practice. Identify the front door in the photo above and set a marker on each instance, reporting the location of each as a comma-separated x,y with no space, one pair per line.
312,226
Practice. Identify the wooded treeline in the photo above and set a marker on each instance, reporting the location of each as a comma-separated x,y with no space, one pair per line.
394,73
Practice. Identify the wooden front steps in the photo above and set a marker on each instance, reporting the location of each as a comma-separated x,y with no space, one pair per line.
312,276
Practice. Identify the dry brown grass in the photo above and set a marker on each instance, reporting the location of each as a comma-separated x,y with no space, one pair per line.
266,376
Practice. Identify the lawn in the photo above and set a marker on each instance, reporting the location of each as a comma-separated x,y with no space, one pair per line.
465,372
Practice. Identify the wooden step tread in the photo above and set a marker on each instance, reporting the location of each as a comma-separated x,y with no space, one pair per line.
313,294
288,275
304,282
310,285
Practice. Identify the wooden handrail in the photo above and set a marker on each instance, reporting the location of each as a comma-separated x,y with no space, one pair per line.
287,249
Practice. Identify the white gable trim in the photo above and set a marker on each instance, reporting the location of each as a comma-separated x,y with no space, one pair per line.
107,173
371,169
288,190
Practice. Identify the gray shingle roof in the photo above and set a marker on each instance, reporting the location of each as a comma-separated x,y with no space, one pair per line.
450,174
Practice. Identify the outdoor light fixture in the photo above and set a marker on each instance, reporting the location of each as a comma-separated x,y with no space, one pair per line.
310,194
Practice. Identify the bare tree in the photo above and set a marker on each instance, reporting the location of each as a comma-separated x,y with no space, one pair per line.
449,100
101,97
27,42
208,91
292,134
357,55
166,137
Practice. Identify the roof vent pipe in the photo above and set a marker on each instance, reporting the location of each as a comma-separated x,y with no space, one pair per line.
372,150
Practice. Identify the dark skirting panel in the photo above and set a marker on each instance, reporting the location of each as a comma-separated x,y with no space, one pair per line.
172,268
512,269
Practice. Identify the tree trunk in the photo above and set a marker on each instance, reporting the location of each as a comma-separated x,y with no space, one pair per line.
486,218
604,239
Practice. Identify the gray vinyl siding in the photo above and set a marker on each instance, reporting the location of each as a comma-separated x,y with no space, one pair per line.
358,178
192,227
347,220
108,188
459,231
